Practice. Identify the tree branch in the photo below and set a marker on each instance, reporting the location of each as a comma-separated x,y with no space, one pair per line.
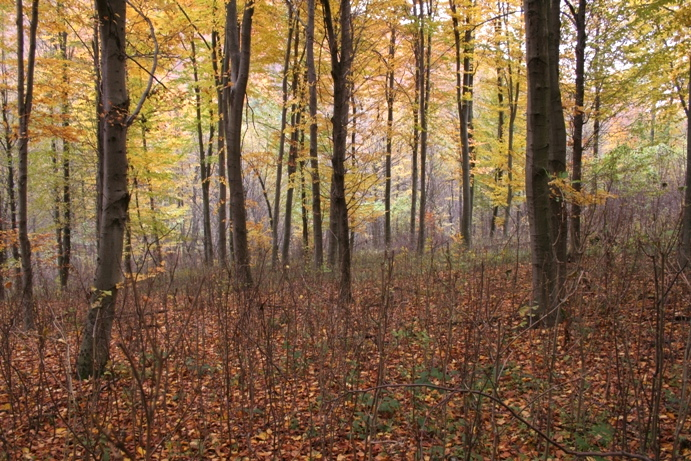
154,64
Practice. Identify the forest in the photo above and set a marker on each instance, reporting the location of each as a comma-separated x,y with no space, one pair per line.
345,229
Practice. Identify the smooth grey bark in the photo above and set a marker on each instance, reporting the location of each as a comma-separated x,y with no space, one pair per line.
282,135
314,158
94,349
341,60
237,66
538,153
557,159
25,91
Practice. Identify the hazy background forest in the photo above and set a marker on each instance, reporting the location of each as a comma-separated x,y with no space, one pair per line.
345,229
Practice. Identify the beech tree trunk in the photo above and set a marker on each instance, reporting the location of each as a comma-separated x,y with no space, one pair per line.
463,48
686,216
578,123
222,243
282,136
204,166
425,44
557,159
94,349
341,60
538,153
237,66
314,159
390,98
25,90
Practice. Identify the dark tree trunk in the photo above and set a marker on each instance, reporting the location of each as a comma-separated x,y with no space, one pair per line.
341,60
295,120
686,216
425,44
64,258
463,48
237,64
416,146
578,123
390,98
557,157
94,350
204,166
222,230
25,90
538,153
314,159
282,136
500,134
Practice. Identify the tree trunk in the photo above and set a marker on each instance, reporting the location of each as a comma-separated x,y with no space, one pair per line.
25,90
538,153
463,87
204,167
222,230
686,216
341,60
390,98
94,349
237,64
314,159
282,136
557,158
425,64
416,146
578,123
64,258
295,118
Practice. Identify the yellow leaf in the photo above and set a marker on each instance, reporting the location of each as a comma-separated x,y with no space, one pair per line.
263,436
5,407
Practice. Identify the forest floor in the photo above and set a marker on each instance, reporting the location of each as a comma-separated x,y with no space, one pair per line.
432,361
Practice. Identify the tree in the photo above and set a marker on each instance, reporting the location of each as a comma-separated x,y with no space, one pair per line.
463,38
236,66
538,155
313,129
94,349
25,91
282,135
341,52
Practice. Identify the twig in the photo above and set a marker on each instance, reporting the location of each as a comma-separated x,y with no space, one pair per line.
514,413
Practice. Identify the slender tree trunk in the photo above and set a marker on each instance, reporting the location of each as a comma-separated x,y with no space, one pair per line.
500,135
204,167
100,145
222,230
94,350
25,90
513,111
416,146
578,123
390,98
426,54
462,46
686,216
237,63
341,60
538,152
557,158
282,135
295,120
65,245
314,159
